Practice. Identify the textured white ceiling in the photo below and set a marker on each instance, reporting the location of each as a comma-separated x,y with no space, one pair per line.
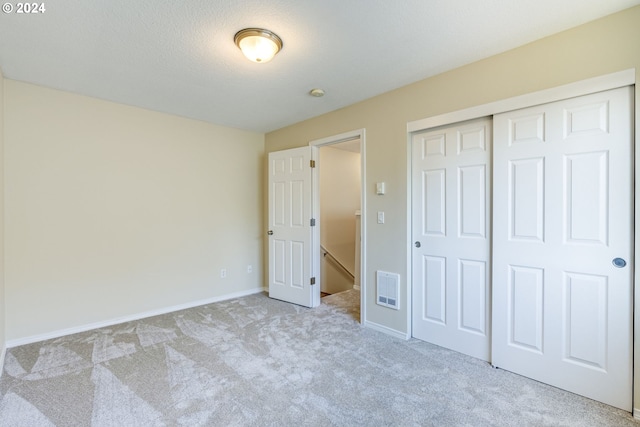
179,57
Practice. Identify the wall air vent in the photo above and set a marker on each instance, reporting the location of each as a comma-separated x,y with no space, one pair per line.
388,288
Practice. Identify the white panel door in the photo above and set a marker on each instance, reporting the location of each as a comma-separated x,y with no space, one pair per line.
290,232
451,291
562,308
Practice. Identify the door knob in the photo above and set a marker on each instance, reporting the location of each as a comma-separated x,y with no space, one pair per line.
619,262
417,244
270,232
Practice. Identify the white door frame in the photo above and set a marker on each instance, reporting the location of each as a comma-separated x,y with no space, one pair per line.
580,88
330,140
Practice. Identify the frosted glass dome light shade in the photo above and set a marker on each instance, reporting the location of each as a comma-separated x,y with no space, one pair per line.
257,44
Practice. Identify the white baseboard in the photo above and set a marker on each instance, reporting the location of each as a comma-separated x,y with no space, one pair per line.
83,328
636,413
386,330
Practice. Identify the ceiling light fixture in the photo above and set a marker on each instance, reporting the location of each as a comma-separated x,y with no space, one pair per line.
316,92
257,44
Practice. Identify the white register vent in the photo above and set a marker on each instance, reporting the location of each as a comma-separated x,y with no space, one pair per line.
388,288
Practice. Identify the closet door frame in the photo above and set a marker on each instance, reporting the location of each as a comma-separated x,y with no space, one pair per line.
580,88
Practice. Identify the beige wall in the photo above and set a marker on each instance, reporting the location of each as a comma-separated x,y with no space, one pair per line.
604,46
339,175
2,298
339,200
113,210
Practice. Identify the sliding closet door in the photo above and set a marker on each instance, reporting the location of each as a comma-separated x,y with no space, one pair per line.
451,218
563,239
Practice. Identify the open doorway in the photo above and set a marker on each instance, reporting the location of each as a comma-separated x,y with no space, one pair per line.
339,196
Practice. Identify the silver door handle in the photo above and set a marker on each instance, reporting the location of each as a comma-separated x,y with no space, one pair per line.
270,232
417,244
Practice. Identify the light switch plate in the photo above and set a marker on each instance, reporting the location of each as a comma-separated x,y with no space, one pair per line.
380,188
380,217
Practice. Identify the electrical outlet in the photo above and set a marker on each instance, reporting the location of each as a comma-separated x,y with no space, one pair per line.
223,273
249,269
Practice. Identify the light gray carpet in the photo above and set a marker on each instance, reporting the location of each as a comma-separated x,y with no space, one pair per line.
260,362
